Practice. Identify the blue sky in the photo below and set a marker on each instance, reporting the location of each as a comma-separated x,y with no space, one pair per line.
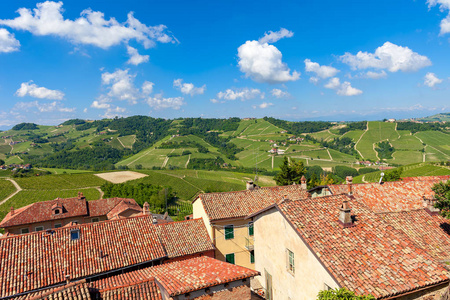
294,60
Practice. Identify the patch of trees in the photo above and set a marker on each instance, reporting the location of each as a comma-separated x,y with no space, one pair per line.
344,144
299,127
353,126
415,127
206,163
344,171
342,294
204,125
291,172
74,122
385,150
25,126
393,175
442,194
155,195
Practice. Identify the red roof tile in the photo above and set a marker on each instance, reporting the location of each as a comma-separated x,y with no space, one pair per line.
142,290
392,196
371,257
103,207
239,204
72,291
124,205
182,276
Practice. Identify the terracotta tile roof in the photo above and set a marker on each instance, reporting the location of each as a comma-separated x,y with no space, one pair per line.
430,233
370,257
142,290
182,276
72,291
392,196
40,259
228,205
184,237
71,207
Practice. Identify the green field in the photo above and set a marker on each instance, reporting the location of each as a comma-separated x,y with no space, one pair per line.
437,140
6,188
59,182
378,131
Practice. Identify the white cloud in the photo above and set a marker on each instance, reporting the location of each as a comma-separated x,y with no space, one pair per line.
135,57
333,83
314,80
100,105
262,105
389,56
344,89
263,62
91,28
321,71
240,94
375,75
121,85
279,93
85,110
147,87
42,107
214,100
159,102
113,112
32,90
431,79
273,37
188,88
8,42
443,5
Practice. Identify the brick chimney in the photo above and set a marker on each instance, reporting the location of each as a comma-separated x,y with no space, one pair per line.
250,185
349,181
146,209
429,206
303,183
12,211
345,217
81,196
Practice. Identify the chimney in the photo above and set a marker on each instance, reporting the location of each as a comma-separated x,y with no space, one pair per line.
155,220
250,185
12,211
146,209
67,279
345,217
429,206
349,180
80,196
303,183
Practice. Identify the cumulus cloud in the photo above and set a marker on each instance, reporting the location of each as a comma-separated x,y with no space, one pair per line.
91,28
188,88
375,75
240,94
135,57
443,5
147,87
390,57
263,62
159,102
279,93
431,79
8,42
262,105
121,85
320,71
32,90
100,105
342,89
273,37
42,107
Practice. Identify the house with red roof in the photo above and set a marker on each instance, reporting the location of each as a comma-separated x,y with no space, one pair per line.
62,212
386,239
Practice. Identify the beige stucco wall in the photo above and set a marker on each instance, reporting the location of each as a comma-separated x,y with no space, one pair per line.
273,235
199,212
235,245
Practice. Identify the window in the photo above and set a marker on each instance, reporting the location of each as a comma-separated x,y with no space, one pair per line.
57,225
74,234
229,232
39,228
95,220
56,211
290,261
229,258
252,256
75,222
250,228
24,230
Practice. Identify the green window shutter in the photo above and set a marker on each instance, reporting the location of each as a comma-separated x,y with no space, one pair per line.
252,257
229,258
229,232
250,228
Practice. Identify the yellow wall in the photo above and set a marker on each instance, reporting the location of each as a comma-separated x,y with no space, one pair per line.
235,245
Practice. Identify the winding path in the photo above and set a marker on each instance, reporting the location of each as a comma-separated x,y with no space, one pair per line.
18,189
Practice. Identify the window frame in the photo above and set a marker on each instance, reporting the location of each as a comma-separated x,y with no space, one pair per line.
251,228
93,220
229,236
22,229
290,261
74,231
58,225
231,255
36,228
252,256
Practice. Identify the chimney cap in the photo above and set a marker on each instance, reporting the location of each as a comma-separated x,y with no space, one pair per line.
12,210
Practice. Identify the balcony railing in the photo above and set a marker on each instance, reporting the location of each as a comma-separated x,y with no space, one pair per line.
249,243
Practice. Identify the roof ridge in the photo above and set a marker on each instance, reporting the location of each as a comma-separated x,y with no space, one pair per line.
133,283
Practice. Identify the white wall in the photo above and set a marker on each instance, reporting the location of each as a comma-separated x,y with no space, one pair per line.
273,235
199,212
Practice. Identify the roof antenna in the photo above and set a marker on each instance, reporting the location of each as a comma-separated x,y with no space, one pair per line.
381,178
